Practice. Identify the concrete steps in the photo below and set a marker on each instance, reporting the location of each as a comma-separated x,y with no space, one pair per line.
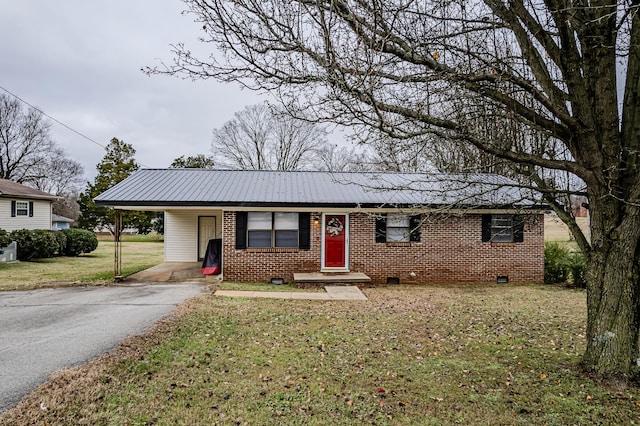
330,279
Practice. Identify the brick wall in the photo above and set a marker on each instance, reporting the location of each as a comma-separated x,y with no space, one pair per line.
260,265
450,251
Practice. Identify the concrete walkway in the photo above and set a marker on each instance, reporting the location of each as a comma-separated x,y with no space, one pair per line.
333,293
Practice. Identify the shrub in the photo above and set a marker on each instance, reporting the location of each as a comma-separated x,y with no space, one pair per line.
578,268
62,242
35,244
79,241
5,240
562,265
556,268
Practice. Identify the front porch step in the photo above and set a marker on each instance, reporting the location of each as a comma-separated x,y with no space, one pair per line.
322,279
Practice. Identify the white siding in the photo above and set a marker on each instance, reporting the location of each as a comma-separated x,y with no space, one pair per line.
41,215
181,233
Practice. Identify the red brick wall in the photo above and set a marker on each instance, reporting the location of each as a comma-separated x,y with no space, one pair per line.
450,251
260,265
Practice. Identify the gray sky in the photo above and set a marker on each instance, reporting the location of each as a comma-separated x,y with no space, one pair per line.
79,61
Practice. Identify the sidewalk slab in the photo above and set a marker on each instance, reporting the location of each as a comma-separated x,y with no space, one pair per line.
332,293
345,293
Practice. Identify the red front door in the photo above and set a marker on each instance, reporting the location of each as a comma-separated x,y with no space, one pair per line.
335,241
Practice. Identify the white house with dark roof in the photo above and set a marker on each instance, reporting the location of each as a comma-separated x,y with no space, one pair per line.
392,227
22,207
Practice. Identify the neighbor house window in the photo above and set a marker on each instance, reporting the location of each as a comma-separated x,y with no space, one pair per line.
265,230
22,208
397,228
502,228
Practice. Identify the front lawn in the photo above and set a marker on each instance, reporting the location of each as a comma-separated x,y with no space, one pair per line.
486,355
92,268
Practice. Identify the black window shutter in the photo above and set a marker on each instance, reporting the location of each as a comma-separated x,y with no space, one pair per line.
13,208
241,230
486,228
30,208
381,228
518,228
415,222
304,231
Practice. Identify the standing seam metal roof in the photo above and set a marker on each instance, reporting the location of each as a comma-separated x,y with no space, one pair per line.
155,187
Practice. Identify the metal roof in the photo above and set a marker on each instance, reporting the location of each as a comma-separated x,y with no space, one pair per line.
249,188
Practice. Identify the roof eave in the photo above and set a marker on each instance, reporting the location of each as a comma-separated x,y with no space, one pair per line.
30,196
156,204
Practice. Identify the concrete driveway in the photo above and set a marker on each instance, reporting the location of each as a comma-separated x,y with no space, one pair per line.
42,331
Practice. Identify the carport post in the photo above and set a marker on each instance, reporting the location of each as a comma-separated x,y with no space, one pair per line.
117,233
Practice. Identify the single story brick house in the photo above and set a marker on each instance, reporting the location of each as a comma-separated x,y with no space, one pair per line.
23,207
393,227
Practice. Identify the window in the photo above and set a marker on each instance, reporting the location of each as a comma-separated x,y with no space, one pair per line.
396,228
259,229
273,230
502,228
22,208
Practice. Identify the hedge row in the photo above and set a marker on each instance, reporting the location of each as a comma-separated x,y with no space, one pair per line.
40,243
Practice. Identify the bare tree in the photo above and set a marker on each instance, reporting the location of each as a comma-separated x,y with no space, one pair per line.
400,155
25,142
67,206
59,175
337,158
29,155
567,70
259,138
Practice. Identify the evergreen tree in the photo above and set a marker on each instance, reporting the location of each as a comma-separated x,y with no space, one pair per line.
117,164
199,161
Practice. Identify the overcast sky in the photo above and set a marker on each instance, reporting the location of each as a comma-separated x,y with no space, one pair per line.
79,61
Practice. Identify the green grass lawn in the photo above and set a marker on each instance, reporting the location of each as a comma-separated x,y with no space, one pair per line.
486,355
92,268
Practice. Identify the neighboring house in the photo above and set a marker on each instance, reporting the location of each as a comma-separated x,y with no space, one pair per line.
22,207
60,222
433,229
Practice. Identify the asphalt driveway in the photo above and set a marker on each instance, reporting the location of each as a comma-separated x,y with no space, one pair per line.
42,331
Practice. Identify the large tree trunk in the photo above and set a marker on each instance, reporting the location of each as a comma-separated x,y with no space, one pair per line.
613,303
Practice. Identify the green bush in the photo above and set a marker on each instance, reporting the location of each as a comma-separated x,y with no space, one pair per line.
5,240
578,268
62,242
79,241
561,265
35,244
556,268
